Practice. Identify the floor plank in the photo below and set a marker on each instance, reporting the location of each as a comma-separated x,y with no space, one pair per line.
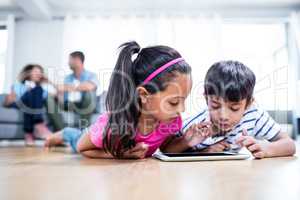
34,174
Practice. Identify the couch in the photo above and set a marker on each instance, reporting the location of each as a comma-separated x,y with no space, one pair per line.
11,120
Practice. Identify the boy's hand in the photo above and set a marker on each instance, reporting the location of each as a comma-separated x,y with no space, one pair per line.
218,147
137,152
197,133
253,145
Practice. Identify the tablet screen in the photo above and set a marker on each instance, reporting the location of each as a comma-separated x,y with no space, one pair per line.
186,154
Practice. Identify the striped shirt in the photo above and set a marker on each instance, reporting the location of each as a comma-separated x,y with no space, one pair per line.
256,121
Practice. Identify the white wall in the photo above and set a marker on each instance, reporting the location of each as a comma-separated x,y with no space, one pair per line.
38,42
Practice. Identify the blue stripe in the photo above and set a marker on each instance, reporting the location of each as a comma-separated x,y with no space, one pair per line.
232,135
262,127
249,120
250,111
249,129
246,121
179,134
269,130
206,145
272,138
198,146
194,119
235,149
259,118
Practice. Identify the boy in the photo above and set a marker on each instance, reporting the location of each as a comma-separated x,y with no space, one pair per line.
232,120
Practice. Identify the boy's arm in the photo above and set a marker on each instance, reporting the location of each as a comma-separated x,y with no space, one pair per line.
282,145
195,134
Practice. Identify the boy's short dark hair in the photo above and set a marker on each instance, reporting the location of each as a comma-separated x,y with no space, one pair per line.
230,80
78,54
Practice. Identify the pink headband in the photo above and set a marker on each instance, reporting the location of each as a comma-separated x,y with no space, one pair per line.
162,68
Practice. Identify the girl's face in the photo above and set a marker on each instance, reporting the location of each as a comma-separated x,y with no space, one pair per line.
225,115
36,74
168,104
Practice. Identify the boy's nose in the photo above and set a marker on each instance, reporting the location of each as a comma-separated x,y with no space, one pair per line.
224,117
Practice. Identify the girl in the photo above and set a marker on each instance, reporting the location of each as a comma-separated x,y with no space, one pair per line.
28,96
144,101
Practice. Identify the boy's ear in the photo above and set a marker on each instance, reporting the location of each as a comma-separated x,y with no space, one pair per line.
250,103
143,93
205,97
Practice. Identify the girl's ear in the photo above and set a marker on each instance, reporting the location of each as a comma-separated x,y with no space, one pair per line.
143,93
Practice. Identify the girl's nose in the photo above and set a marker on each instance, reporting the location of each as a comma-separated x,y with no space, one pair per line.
181,108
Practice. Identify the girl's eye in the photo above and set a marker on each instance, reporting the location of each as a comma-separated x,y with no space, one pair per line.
173,103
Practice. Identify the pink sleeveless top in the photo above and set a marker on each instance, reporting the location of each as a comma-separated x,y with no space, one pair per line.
153,139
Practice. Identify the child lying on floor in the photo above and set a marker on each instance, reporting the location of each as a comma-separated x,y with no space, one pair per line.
232,118
144,102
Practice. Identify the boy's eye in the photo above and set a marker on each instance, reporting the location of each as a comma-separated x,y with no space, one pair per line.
235,109
215,106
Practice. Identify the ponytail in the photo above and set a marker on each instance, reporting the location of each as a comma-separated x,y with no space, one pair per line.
121,103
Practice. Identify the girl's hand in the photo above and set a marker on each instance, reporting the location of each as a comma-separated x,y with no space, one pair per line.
137,152
218,147
254,146
10,98
197,133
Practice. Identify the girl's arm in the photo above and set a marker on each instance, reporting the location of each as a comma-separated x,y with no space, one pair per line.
175,145
9,98
88,149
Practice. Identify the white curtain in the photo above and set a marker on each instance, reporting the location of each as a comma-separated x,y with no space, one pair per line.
295,27
99,38
201,41
294,43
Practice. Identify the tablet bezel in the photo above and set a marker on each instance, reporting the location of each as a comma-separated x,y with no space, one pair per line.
237,156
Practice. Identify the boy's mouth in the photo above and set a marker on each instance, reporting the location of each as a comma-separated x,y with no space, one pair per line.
222,127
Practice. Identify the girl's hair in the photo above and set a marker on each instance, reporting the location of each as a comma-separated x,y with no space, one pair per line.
122,101
26,71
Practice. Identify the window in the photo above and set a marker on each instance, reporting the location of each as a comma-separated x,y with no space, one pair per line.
3,47
200,40
263,48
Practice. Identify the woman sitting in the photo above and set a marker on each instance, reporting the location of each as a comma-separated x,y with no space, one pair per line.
28,96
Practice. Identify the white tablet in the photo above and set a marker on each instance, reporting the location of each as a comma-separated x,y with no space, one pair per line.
199,156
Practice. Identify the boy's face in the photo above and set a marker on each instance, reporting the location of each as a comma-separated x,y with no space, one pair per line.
224,115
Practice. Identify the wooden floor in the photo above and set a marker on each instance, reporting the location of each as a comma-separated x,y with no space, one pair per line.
33,174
